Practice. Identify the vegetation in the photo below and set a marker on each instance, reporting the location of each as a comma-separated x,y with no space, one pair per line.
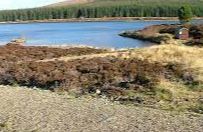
185,14
105,8
167,76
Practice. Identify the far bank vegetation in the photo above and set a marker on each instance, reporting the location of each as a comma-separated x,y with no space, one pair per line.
105,8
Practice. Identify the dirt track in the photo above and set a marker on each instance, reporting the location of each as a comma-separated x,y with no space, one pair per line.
26,110
69,58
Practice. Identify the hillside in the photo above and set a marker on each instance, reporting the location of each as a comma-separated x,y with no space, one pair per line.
103,9
123,2
69,2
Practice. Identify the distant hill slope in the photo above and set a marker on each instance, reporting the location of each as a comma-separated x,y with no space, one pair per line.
103,8
110,2
69,2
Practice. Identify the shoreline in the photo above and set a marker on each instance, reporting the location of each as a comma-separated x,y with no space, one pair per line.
110,49
98,20
165,34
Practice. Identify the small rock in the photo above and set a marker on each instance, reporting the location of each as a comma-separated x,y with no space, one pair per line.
201,100
19,42
98,91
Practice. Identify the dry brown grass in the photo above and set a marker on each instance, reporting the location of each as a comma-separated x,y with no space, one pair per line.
176,95
190,57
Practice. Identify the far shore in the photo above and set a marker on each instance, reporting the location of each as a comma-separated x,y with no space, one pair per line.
104,19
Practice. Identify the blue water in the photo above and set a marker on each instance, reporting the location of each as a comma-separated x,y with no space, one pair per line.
98,34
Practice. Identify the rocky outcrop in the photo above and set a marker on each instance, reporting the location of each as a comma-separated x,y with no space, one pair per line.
166,33
19,42
156,33
155,38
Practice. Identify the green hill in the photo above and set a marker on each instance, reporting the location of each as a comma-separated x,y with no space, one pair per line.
104,8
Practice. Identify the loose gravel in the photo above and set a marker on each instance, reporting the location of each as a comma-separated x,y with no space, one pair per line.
32,110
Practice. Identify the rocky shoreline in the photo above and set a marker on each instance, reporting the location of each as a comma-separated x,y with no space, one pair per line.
155,38
166,34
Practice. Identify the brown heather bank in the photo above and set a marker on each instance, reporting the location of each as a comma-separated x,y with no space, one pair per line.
16,53
166,33
167,77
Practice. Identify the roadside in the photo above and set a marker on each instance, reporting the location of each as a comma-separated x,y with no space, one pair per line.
32,110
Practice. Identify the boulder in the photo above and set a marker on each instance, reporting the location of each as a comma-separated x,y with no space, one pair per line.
19,42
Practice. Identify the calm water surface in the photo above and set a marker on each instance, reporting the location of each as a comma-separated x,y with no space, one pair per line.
98,34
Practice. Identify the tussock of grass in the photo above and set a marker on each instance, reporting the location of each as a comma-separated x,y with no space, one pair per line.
190,57
177,96
171,53
173,94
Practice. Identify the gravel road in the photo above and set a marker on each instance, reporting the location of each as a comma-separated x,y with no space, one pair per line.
28,110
